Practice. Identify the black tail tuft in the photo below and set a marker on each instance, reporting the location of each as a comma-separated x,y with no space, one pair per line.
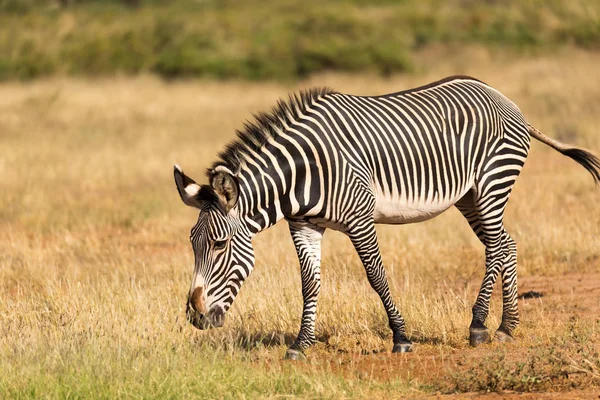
587,161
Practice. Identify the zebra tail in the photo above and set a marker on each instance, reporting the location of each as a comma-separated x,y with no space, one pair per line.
586,159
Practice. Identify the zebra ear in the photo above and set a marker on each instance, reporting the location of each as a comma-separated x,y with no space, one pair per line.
226,186
191,193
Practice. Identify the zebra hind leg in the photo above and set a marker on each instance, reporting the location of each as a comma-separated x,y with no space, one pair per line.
364,239
478,331
307,240
508,269
510,309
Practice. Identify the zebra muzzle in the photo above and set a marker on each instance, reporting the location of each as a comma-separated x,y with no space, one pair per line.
196,309
198,300
199,316
213,319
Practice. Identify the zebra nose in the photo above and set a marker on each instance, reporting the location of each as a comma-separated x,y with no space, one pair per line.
198,300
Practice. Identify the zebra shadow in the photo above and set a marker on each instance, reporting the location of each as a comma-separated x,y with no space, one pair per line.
252,341
249,342
432,340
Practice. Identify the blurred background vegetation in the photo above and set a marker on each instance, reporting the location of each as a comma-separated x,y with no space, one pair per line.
283,40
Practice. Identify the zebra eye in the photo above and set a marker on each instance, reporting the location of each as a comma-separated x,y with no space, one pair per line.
219,244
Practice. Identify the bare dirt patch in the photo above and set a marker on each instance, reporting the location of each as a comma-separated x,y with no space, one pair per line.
531,363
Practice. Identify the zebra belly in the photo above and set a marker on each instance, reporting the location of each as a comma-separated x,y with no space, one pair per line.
400,211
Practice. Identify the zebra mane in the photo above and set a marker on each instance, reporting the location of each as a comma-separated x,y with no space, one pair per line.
265,126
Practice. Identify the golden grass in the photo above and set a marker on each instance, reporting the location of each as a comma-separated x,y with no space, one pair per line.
95,263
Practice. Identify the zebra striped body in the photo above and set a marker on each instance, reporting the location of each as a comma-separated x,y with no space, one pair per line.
417,152
328,160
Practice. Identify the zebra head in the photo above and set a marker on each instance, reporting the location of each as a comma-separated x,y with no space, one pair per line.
222,246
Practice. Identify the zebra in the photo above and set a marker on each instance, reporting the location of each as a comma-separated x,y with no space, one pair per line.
322,159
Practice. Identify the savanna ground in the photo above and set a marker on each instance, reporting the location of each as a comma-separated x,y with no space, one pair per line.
95,264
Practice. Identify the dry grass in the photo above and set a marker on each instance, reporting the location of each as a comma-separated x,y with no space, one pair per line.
95,264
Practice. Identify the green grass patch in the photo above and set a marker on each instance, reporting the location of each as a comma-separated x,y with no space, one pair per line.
271,40
185,370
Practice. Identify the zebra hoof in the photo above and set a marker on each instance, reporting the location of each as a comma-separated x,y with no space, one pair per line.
403,347
503,337
295,355
478,336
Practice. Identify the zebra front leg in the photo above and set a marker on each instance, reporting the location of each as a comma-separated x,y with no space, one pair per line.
510,309
364,238
307,240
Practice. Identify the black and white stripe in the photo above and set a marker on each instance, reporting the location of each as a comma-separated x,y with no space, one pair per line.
329,160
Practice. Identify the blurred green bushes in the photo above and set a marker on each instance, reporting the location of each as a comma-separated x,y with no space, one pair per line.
271,40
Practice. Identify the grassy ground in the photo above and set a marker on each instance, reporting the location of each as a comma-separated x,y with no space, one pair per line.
285,40
95,263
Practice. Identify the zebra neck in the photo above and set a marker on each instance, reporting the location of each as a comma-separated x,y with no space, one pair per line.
260,198
277,182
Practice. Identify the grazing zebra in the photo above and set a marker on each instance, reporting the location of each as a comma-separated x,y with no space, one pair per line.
324,159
